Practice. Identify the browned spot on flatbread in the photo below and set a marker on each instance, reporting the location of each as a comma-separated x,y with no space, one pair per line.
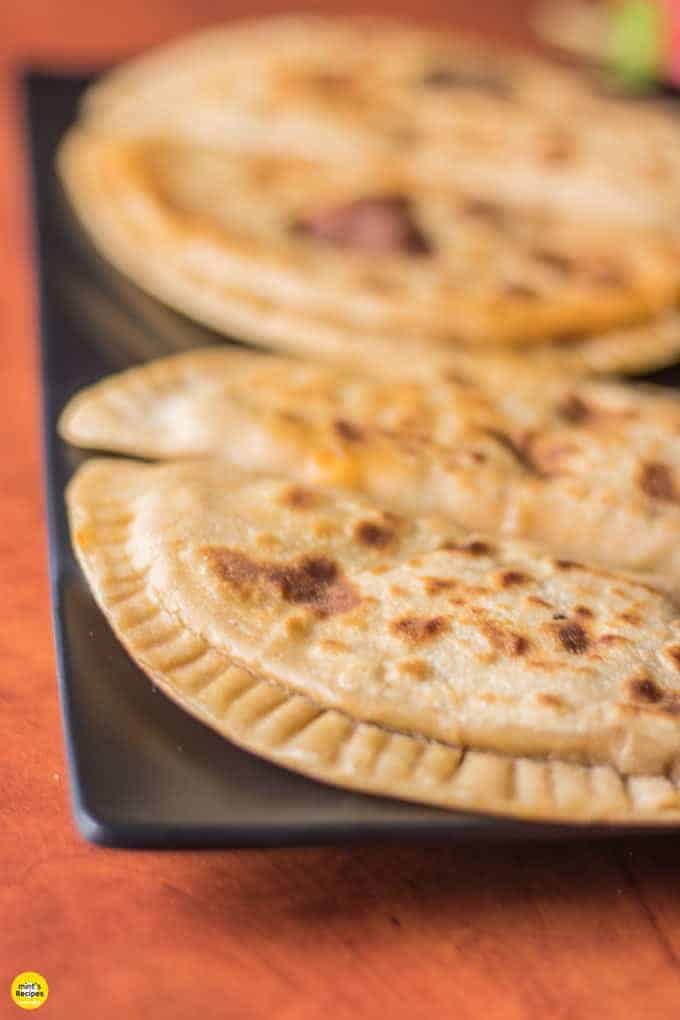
598,270
237,569
549,700
405,136
503,639
267,541
418,630
299,498
347,430
656,480
573,638
394,520
416,668
584,611
657,169
297,626
483,209
511,578
333,646
574,410
520,450
558,148
444,77
455,377
549,456
374,535
612,639
673,653
329,82
546,665
84,537
474,548
314,582
644,692
371,279
568,338
437,585
290,416
630,616
535,600
644,688
605,272
520,290
556,261
324,528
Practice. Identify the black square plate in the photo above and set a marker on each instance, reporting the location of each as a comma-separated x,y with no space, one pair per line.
142,772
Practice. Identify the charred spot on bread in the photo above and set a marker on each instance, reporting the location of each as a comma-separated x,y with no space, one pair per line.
483,209
373,534
673,653
347,430
573,638
503,639
315,582
574,410
656,481
473,548
299,498
419,630
511,578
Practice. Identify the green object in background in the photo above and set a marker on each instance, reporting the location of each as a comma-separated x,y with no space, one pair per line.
638,41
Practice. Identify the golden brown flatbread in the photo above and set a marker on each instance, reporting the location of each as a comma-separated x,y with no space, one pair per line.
381,191
367,248
345,89
434,664
590,469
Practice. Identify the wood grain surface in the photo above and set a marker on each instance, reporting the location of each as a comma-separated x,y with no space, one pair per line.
568,931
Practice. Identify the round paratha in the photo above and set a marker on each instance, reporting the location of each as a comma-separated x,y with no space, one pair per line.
590,469
346,89
440,666
365,249
363,189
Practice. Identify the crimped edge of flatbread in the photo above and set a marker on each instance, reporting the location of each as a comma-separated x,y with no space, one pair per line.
294,731
265,322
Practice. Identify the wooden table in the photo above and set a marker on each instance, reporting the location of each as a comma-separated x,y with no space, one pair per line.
573,931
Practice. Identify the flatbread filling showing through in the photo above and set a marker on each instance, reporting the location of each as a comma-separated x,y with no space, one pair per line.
366,246
378,224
